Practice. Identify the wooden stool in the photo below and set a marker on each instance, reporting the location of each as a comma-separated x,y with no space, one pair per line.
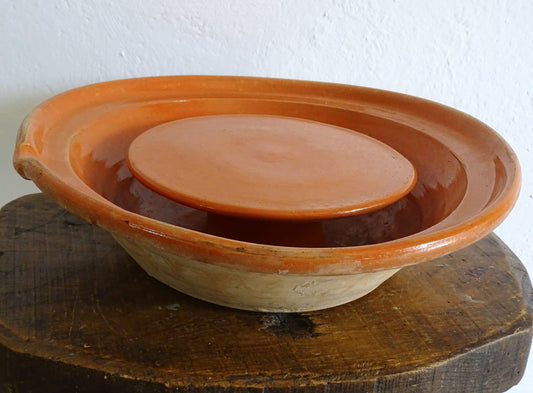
77,314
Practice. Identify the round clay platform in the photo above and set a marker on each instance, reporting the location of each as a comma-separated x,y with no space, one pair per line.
269,167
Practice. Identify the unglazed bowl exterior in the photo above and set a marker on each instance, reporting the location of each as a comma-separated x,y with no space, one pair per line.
74,147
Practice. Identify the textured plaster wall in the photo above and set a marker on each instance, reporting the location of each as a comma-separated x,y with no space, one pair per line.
475,56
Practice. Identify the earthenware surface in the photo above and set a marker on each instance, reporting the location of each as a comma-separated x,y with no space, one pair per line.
269,167
74,147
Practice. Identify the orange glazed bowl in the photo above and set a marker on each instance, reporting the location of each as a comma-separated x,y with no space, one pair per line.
75,147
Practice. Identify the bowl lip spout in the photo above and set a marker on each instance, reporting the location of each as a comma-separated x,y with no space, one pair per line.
55,177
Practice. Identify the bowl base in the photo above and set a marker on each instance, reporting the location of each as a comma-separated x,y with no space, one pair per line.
253,291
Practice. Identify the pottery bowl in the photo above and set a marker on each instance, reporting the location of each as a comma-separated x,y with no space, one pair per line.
74,148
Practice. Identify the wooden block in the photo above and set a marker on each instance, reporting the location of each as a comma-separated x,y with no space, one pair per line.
77,314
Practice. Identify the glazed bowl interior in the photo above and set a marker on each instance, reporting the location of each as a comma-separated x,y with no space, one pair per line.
98,156
74,147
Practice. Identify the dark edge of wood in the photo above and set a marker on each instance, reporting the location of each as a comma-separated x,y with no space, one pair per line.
30,374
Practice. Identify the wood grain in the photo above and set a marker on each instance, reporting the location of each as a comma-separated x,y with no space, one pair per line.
77,314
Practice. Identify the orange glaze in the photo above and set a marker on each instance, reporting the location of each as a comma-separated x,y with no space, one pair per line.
74,148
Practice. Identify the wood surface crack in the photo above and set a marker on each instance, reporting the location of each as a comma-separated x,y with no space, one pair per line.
72,316
19,231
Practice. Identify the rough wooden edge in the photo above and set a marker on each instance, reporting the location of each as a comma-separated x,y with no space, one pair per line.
26,373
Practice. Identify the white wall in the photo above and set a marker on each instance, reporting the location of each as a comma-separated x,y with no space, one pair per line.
476,56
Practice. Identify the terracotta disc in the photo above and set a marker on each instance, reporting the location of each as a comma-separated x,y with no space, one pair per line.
269,167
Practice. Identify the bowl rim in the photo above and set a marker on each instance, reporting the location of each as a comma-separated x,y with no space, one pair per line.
416,248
